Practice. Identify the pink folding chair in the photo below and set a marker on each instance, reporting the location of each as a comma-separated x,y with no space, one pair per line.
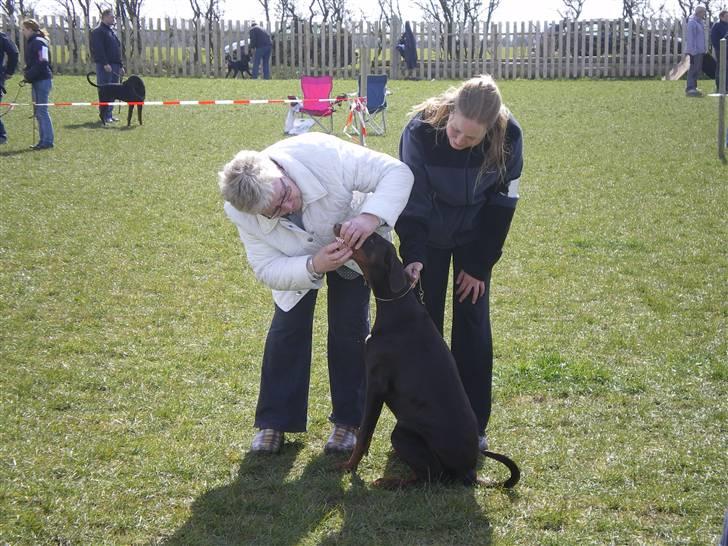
315,88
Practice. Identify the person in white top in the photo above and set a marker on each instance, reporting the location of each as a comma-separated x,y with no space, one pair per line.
285,201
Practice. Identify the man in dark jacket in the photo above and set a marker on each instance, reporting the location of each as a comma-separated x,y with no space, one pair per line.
262,44
106,52
717,33
7,47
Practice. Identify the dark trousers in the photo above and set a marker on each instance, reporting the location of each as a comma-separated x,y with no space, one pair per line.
285,378
471,341
102,78
3,134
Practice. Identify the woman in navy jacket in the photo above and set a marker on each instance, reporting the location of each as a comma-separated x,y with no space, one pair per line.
38,73
465,150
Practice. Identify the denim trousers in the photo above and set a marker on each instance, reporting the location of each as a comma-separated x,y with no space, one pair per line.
102,78
471,338
285,377
696,67
262,54
41,93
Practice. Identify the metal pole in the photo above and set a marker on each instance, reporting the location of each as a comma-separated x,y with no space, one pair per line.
722,136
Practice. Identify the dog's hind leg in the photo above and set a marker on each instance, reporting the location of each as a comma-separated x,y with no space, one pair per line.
414,451
129,114
139,113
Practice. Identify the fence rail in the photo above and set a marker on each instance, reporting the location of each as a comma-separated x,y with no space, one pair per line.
532,50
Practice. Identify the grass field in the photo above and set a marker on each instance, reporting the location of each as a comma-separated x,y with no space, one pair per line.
131,334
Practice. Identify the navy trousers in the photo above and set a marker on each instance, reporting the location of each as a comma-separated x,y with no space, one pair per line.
285,378
471,340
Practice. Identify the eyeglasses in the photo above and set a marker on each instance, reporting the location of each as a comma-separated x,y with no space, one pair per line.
286,194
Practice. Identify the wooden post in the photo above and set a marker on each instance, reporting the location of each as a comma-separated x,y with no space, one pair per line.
722,136
395,31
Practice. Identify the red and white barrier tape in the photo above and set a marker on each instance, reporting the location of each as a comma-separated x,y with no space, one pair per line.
179,102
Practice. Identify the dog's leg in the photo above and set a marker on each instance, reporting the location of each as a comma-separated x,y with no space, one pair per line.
372,411
128,115
139,113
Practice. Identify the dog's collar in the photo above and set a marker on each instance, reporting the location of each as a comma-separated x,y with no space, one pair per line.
403,294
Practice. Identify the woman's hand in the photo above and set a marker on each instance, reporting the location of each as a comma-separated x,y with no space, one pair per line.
331,257
469,287
413,271
355,231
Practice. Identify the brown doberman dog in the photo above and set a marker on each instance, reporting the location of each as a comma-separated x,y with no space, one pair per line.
410,368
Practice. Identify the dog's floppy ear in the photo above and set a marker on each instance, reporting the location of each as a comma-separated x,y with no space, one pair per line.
397,281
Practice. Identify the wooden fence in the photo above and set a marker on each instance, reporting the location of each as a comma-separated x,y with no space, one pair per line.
532,50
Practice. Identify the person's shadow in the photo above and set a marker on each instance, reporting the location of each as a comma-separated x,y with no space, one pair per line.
273,501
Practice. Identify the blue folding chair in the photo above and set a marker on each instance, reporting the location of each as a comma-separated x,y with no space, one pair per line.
376,114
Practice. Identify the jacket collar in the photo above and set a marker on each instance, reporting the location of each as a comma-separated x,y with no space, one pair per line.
310,186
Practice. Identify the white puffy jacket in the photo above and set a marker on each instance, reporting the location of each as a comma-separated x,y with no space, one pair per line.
329,172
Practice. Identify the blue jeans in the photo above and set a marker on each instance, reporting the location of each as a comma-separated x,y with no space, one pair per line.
41,92
285,378
262,54
102,78
696,67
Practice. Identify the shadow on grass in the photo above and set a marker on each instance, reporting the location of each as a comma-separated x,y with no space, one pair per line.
96,124
10,153
265,505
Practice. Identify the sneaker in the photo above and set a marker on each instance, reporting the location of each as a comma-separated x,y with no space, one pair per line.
267,440
40,146
113,120
483,442
694,93
342,439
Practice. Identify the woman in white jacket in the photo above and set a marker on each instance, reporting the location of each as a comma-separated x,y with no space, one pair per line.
285,201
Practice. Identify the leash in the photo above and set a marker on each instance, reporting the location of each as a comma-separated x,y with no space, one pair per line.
21,84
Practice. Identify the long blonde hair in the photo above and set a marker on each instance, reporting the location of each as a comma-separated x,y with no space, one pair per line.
34,25
477,99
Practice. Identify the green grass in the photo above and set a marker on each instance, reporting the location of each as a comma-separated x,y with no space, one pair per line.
131,333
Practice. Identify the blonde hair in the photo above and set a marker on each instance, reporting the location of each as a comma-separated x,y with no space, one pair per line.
247,181
34,25
478,99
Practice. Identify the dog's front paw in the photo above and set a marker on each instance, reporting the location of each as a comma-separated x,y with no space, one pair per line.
348,466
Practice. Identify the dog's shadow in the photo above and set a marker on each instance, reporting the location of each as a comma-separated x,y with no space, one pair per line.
272,500
98,125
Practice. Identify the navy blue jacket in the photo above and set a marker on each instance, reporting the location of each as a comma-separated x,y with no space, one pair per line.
407,46
105,45
37,59
452,204
7,47
259,38
717,33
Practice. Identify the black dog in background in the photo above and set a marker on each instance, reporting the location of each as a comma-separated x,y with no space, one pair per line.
241,66
131,90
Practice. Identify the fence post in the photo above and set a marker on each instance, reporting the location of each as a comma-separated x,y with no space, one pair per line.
394,32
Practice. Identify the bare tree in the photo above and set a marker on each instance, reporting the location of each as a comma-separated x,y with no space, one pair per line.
17,9
209,10
387,10
572,9
266,5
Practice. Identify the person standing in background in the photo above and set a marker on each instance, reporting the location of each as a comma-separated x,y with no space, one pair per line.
262,44
39,74
695,47
106,52
7,47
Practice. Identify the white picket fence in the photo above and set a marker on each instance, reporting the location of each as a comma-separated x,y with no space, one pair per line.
531,50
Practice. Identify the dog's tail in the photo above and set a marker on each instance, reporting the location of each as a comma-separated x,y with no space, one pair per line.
88,77
513,467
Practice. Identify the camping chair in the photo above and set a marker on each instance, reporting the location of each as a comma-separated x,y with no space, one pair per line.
315,88
375,118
